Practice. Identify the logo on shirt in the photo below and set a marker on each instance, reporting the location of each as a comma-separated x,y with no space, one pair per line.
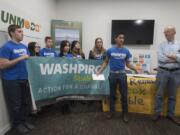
79,56
98,56
20,51
49,54
118,55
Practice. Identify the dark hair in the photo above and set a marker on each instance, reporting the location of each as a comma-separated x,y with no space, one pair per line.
118,33
47,38
80,51
73,44
31,48
63,44
12,28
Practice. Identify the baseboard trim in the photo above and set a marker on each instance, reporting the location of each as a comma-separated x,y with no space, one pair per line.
5,129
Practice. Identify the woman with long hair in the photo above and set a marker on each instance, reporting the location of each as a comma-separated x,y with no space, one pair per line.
65,49
76,50
98,52
33,48
65,53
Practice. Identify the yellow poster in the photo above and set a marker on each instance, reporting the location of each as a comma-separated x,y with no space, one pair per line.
141,97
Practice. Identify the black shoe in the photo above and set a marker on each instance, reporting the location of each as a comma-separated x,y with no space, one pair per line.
28,125
109,115
174,120
125,117
65,109
156,117
22,129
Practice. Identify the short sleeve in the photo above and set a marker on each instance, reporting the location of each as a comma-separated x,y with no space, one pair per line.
128,56
108,53
28,53
5,52
41,52
55,54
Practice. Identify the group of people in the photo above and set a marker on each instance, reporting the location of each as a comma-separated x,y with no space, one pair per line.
67,49
13,56
48,51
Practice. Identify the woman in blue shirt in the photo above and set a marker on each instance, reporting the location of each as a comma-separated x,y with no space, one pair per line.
34,48
76,50
65,49
65,53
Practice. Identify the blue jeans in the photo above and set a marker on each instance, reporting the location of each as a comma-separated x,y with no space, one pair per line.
17,95
166,80
121,79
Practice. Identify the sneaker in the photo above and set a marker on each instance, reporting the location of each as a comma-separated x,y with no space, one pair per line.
174,120
22,129
125,117
156,117
109,115
28,125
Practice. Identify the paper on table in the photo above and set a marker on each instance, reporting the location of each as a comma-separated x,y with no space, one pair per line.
142,75
98,77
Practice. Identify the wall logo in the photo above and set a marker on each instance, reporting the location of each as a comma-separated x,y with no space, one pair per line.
23,23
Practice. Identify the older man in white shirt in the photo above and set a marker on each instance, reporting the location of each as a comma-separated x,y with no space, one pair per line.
168,75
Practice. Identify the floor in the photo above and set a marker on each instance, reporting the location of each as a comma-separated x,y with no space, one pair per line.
88,119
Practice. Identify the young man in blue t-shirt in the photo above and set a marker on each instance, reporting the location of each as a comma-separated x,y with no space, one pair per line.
13,57
118,56
48,51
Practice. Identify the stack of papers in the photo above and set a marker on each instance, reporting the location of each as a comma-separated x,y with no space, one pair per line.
98,77
142,75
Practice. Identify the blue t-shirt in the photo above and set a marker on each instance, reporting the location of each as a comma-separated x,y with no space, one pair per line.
0,70
100,56
118,58
68,55
11,51
48,52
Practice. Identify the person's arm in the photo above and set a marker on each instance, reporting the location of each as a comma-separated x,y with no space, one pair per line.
172,56
55,54
91,56
83,56
164,58
41,53
5,63
103,66
131,66
129,63
104,55
176,56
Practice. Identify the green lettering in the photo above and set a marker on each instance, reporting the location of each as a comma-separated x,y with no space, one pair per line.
3,17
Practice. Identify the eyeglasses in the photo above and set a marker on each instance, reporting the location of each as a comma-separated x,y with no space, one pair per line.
37,47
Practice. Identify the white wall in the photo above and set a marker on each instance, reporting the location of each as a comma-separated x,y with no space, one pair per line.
4,119
38,11
96,16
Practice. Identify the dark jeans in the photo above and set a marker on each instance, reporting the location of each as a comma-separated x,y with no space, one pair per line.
121,79
170,81
17,95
